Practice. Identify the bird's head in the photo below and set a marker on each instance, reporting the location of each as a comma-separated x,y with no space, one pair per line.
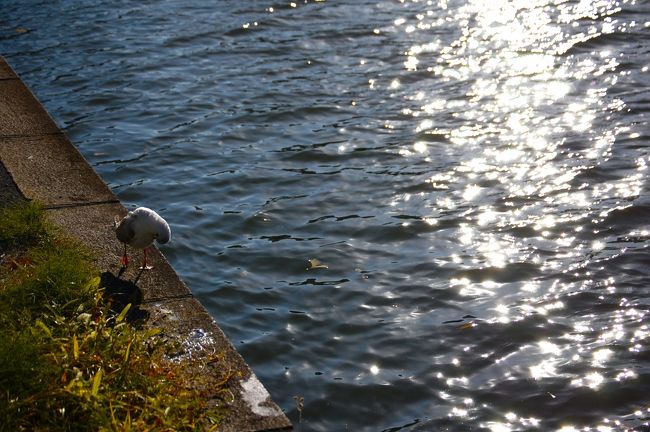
163,235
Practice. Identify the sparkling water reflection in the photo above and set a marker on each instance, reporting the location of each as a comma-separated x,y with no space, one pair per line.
407,215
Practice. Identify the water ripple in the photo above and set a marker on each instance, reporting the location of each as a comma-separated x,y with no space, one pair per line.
470,177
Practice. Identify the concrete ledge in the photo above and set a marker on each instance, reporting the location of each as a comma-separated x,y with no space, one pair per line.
63,177
253,408
9,192
20,112
39,162
6,72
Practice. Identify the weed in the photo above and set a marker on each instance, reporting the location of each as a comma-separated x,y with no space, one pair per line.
67,362
23,223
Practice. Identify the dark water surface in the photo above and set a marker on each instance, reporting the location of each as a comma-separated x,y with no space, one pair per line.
472,173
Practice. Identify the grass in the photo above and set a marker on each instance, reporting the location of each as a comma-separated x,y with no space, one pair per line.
67,362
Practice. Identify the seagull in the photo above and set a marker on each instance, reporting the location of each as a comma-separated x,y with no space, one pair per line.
139,229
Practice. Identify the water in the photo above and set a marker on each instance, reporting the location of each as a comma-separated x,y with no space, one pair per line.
472,176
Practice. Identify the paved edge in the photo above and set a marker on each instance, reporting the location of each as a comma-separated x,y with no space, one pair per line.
38,162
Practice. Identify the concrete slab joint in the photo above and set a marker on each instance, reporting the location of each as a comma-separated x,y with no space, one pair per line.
40,163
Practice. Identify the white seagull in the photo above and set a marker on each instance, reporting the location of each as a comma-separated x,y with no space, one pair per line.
139,229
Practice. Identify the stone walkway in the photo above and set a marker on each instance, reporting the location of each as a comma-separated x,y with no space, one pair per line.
38,162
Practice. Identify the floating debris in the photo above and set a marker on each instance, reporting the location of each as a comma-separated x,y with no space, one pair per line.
300,405
316,264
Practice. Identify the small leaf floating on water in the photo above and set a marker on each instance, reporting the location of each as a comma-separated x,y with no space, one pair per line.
316,264
467,326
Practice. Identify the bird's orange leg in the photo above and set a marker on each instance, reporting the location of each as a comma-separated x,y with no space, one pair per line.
144,262
125,259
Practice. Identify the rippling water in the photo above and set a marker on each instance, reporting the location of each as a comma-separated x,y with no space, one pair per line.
469,177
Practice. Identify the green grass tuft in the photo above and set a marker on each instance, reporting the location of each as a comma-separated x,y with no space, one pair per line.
23,223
